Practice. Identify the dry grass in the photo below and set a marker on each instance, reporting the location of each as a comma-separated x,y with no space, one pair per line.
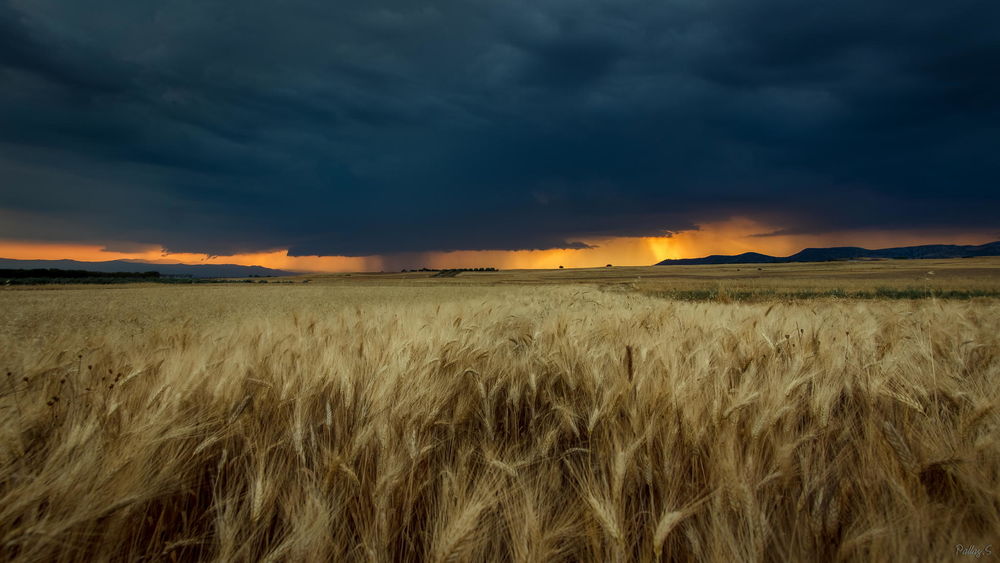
965,274
468,423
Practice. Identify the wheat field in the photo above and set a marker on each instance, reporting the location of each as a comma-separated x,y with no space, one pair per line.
479,423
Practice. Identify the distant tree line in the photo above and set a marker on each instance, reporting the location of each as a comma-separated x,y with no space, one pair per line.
452,270
55,273
42,276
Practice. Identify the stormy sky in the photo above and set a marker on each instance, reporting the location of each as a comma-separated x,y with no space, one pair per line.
360,127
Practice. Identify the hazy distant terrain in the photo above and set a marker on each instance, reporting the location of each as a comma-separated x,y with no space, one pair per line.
119,266
529,416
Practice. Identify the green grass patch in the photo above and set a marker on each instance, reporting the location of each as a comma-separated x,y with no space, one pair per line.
753,295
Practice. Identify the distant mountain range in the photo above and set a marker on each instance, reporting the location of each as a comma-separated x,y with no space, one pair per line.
191,270
848,253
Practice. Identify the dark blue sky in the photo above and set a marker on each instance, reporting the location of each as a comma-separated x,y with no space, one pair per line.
361,127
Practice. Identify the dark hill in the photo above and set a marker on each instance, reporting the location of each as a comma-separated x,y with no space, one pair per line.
745,258
848,253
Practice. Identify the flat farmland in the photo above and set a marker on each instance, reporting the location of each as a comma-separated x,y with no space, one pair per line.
796,412
969,274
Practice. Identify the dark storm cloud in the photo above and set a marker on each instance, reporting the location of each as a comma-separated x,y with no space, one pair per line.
358,127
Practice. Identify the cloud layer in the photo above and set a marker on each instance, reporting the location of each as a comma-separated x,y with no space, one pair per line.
355,128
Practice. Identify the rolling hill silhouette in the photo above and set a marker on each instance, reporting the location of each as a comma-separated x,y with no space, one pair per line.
847,253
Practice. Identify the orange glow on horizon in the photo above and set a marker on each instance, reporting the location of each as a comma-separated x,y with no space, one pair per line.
734,236
277,259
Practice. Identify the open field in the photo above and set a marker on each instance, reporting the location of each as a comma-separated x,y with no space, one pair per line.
964,278
534,416
968,277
